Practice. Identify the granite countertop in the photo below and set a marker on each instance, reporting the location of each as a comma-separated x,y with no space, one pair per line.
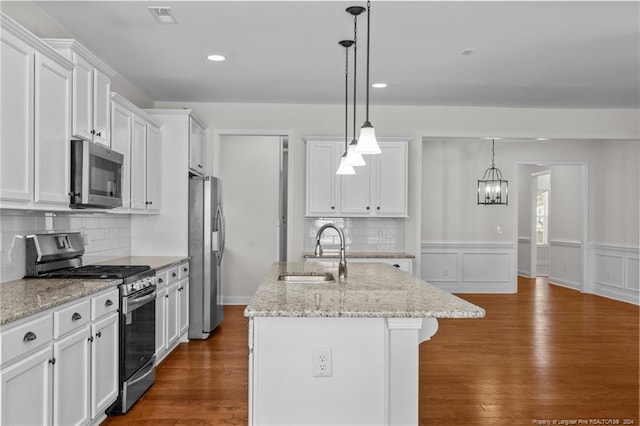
370,290
331,254
29,296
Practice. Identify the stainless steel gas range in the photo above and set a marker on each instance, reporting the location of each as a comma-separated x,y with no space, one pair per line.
60,255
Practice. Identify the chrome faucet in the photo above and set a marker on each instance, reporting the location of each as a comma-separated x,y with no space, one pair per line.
342,265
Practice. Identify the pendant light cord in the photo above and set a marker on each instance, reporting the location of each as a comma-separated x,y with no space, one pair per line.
493,153
346,99
355,68
368,40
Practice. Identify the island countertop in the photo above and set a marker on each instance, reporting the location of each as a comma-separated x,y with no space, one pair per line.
371,290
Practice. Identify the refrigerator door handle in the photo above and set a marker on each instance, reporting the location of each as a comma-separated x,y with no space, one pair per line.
221,233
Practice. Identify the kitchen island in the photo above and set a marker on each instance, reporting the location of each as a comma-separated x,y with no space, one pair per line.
341,352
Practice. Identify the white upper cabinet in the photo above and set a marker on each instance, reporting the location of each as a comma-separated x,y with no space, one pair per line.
136,135
197,141
36,108
322,191
378,189
91,91
16,109
52,135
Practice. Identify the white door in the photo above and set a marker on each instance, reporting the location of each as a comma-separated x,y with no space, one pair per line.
138,163
121,142
249,168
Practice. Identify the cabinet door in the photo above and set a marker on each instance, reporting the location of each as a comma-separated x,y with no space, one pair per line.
161,326
153,168
390,180
173,326
355,192
138,163
52,132
26,391
121,126
322,161
183,305
82,121
101,108
104,364
71,378
196,147
16,116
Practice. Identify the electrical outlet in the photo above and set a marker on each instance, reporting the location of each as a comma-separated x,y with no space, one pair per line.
322,362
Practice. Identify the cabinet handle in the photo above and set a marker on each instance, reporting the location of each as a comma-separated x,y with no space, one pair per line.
396,265
99,334
99,133
378,208
76,316
160,280
166,295
93,132
368,207
108,302
199,165
173,274
185,269
90,339
52,361
333,207
29,337
181,288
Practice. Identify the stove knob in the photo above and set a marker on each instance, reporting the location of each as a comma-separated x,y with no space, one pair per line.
132,287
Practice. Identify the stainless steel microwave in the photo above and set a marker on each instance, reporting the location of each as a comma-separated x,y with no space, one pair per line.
96,176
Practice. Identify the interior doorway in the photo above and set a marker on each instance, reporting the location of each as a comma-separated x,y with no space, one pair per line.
254,173
565,233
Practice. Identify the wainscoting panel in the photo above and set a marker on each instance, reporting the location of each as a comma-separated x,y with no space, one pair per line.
524,256
565,264
469,267
616,272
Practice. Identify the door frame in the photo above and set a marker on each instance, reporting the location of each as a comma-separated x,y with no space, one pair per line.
585,279
218,134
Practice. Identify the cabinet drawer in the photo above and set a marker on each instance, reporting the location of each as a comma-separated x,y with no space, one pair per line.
20,340
172,275
183,270
162,278
104,304
70,318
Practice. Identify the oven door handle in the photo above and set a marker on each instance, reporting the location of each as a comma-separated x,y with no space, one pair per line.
133,304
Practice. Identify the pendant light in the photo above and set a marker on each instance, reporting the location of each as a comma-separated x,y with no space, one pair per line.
493,188
344,168
367,143
354,158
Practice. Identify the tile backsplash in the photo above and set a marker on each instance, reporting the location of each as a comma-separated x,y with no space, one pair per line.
107,236
361,234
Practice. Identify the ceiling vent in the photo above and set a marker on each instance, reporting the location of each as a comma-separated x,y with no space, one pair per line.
163,15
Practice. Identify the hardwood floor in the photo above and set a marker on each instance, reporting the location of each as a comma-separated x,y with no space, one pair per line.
546,353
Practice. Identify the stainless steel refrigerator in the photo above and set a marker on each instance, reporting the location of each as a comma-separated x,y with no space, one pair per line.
206,249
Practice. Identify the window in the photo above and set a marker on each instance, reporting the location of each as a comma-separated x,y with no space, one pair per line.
542,217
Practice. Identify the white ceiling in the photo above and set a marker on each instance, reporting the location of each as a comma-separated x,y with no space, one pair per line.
527,54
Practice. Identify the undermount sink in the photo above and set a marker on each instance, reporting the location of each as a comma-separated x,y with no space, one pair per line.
306,277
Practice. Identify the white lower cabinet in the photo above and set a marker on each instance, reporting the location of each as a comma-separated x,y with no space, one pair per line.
27,390
66,373
172,309
104,364
71,378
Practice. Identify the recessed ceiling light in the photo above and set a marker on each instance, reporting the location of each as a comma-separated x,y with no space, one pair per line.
492,137
379,85
467,52
217,58
542,139
163,15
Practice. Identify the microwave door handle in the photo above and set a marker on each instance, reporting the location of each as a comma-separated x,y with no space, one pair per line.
86,175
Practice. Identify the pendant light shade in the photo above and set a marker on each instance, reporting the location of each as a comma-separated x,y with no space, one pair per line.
493,189
354,158
367,142
344,168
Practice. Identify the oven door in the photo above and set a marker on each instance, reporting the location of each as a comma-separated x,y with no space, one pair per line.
138,331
